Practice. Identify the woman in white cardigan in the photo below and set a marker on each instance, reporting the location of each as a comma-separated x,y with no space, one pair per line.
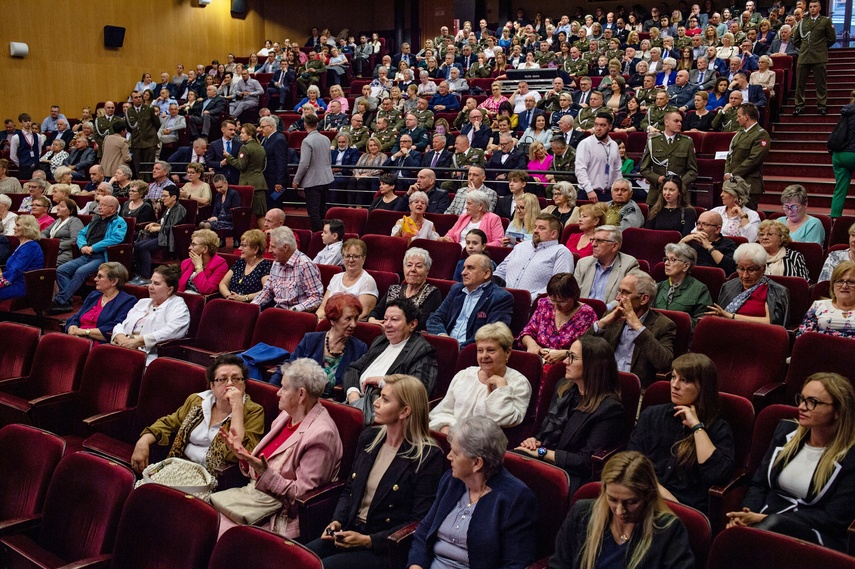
164,316
491,389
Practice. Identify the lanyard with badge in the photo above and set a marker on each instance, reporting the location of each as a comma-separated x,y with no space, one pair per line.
607,150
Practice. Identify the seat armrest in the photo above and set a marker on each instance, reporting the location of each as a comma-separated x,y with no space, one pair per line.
55,413
19,525
726,498
769,394
113,424
315,509
599,459
99,562
399,545
14,385
172,348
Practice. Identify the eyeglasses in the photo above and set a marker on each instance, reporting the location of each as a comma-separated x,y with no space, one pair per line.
352,257
703,224
598,241
233,379
844,283
793,207
572,357
810,402
671,260
749,270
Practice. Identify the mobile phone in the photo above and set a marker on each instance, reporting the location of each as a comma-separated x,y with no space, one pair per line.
330,531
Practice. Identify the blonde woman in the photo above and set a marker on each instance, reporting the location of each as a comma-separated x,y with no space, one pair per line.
764,76
521,227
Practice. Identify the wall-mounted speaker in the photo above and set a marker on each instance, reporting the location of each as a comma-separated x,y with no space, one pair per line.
114,36
18,49
239,8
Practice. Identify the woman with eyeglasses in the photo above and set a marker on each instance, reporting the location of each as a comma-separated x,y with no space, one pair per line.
752,297
802,227
805,485
738,220
354,280
834,316
774,237
836,257
681,291
193,428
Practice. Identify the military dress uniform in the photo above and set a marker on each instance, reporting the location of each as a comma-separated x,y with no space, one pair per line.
563,168
143,125
615,54
310,74
585,120
748,151
393,117
655,117
478,71
358,137
472,157
251,161
544,58
102,127
387,137
577,68
661,158
726,121
424,117
813,38
645,97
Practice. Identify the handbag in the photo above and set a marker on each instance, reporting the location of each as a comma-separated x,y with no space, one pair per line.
366,404
245,505
839,137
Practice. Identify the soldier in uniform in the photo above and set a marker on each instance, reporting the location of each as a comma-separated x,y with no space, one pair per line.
143,122
748,151
357,132
390,113
725,119
310,72
646,95
593,53
103,126
813,36
654,119
563,167
668,152
551,99
613,50
479,69
424,114
418,134
544,57
333,118
385,134
464,157
585,120
462,118
576,66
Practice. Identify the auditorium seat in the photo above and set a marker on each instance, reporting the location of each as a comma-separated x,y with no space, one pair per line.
385,253
444,256
353,218
268,550
17,350
749,548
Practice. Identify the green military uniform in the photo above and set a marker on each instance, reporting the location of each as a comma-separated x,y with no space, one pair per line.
603,43
425,118
582,45
615,54
657,42
549,103
543,58
645,97
310,74
726,121
748,150
478,71
813,38
655,117
661,158
358,137
591,57
393,117
143,125
102,127
578,68
472,157
250,161
387,137
585,119
681,42
462,118
563,168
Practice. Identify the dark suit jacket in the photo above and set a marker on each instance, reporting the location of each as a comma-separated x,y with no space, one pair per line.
81,160
749,64
444,160
276,172
523,123
577,99
495,305
481,138
438,200
66,137
516,161
217,107
351,155
409,163
654,347
791,47
214,156
405,493
396,59
755,95
288,78
418,358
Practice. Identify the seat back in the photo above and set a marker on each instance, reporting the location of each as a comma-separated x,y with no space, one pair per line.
196,305
684,329
353,218
383,280
283,328
840,230
443,222
522,310
444,256
226,325
630,393
111,380
167,383
598,305
713,277
799,290
269,551
749,548
83,505
837,356
17,349
267,396
647,244
57,364
551,487
733,346
447,350
40,284
349,422
381,222
764,429
444,285
385,253
185,538
30,456
814,257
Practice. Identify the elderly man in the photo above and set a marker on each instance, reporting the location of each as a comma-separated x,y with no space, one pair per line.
475,179
405,159
622,210
418,134
598,161
247,94
357,132
276,170
783,43
564,108
457,84
654,120
437,156
586,117
532,263
565,129
443,101
214,108
682,92
600,274
508,157
530,112
725,119
62,133
106,229
712,248
334,119
748,151
478,133
703,78
80,159
438,199
471,304
96,176
143,122
101,190
295,281
643,340
464,158
668,152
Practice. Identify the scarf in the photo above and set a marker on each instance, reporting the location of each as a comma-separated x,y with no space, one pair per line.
743,296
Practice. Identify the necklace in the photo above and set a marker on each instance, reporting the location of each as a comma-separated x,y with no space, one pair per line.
251,268
327,346
481,493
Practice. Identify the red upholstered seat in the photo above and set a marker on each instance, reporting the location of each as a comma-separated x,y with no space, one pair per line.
327,273
840,230
17,349
749,548
814,352
443,285
444,256
647,244
684,329
799,298
353,218
447,351
384,279
522,310
283,328
269,551
385,253
381,222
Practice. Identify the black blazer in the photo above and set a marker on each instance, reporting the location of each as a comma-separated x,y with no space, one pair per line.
516,161
276,169
217,107
418,358
214,155
481,138
444,160
404,495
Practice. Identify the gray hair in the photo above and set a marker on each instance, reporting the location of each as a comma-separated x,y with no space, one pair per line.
614,232
305,373
644,284
704,57
624,182
567,190
106,187
5,200
656,50
683,252
794,192
479,197
126,170
753,252
268,120
480,437
438,135
670,61
39,182
788,26
60,172
566,119
59,141
738,188
419,196
167,167
283,235
313,89
418,252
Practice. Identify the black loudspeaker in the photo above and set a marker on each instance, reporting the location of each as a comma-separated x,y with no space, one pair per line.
239,8
114,36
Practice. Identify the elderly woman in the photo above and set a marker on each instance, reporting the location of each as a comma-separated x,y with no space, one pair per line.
585,416
396,453
783,261
313,97
753,297
161,317
7,218
502,533
59,192
401,349
667,76
39,209
680,291
121,181
105,307
203,270
196,424
365,175
491,389
301,452
354,280
738,219
62,175
690,445
802,227
834,257
727,49
558,320
476,216
492,102
415,225
425,296
591,216
136,206
521,227
336,348
564,200
628,525
65,228
804,484
27,256
158,235
245,279
764,76
8,184
672,210
834,316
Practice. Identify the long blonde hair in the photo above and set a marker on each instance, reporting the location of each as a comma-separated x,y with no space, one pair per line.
411,393
525,223
635,471
843,401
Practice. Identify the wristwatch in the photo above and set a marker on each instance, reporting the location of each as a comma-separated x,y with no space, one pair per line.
541,453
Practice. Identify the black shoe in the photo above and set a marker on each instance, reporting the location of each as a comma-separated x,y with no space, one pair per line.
60,308
797,111
823,111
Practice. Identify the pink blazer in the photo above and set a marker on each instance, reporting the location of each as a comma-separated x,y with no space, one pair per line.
491,225
208,281
309,459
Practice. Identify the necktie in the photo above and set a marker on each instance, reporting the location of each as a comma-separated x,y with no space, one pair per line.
229,146
528,119
701,78
435,159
